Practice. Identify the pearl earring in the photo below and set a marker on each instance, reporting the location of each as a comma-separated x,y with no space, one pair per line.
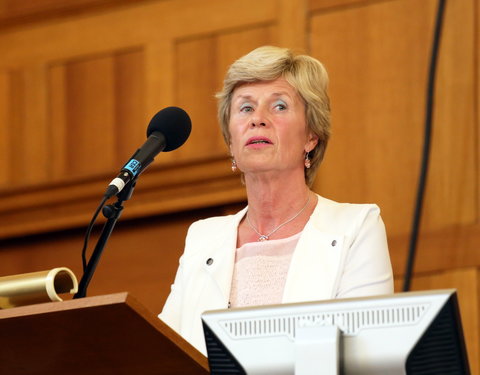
234,165
307,161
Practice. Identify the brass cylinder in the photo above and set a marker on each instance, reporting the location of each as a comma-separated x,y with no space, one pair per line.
36,287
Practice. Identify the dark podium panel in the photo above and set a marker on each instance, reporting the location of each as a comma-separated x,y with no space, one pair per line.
111,334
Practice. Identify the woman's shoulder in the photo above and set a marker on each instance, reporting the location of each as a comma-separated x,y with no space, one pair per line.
345,208
337,215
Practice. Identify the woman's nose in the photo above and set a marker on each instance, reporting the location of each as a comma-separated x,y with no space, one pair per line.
258,123
259,118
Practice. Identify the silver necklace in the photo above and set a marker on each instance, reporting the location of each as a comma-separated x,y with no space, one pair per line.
265,237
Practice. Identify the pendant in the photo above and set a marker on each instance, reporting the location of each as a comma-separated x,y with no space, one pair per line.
263,238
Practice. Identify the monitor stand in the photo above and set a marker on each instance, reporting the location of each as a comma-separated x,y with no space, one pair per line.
317,350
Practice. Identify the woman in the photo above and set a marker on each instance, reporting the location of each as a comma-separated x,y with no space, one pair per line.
289,244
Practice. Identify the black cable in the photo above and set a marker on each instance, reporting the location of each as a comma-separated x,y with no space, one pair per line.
89,231
426,146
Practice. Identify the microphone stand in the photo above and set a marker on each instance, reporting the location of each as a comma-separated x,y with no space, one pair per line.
112,212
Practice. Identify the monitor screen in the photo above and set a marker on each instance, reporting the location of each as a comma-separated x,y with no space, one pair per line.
403,333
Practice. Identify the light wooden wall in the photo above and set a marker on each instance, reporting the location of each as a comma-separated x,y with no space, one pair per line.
80,80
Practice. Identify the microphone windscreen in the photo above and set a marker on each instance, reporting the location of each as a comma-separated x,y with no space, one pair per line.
174,123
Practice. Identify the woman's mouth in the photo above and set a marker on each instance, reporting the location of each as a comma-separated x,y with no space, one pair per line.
258,141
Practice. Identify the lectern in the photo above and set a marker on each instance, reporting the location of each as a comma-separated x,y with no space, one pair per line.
111,334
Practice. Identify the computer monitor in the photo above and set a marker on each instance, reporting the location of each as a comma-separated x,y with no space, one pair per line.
404,333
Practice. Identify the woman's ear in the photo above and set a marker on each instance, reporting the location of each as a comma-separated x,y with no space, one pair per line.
312,142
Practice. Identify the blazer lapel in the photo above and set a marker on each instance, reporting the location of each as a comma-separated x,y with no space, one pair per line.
314,269
223,257
211,286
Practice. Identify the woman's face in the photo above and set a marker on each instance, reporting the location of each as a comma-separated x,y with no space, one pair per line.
268,130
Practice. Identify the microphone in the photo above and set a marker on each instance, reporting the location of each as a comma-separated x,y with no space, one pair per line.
167,131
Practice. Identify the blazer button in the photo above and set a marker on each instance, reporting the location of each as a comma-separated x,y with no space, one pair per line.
334,242
209,261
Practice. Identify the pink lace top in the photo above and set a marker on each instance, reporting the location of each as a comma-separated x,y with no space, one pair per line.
261,271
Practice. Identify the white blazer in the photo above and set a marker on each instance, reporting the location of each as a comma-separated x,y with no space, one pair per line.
342,252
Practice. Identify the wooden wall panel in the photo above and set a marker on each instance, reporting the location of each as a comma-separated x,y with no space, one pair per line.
57,115
90,116
316,5
15,120
292,24
96,110
25,134
376,56
196,73
18,12
452,188
129,92
477,106
34,131
4,126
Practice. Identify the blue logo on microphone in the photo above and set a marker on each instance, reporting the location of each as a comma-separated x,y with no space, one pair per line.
133,166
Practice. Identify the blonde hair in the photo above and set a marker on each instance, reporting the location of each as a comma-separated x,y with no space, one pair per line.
304,73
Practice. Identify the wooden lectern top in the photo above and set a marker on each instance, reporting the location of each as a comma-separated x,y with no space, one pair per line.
111,334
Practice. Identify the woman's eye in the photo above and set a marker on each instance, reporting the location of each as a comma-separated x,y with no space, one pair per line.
280,106
246,108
